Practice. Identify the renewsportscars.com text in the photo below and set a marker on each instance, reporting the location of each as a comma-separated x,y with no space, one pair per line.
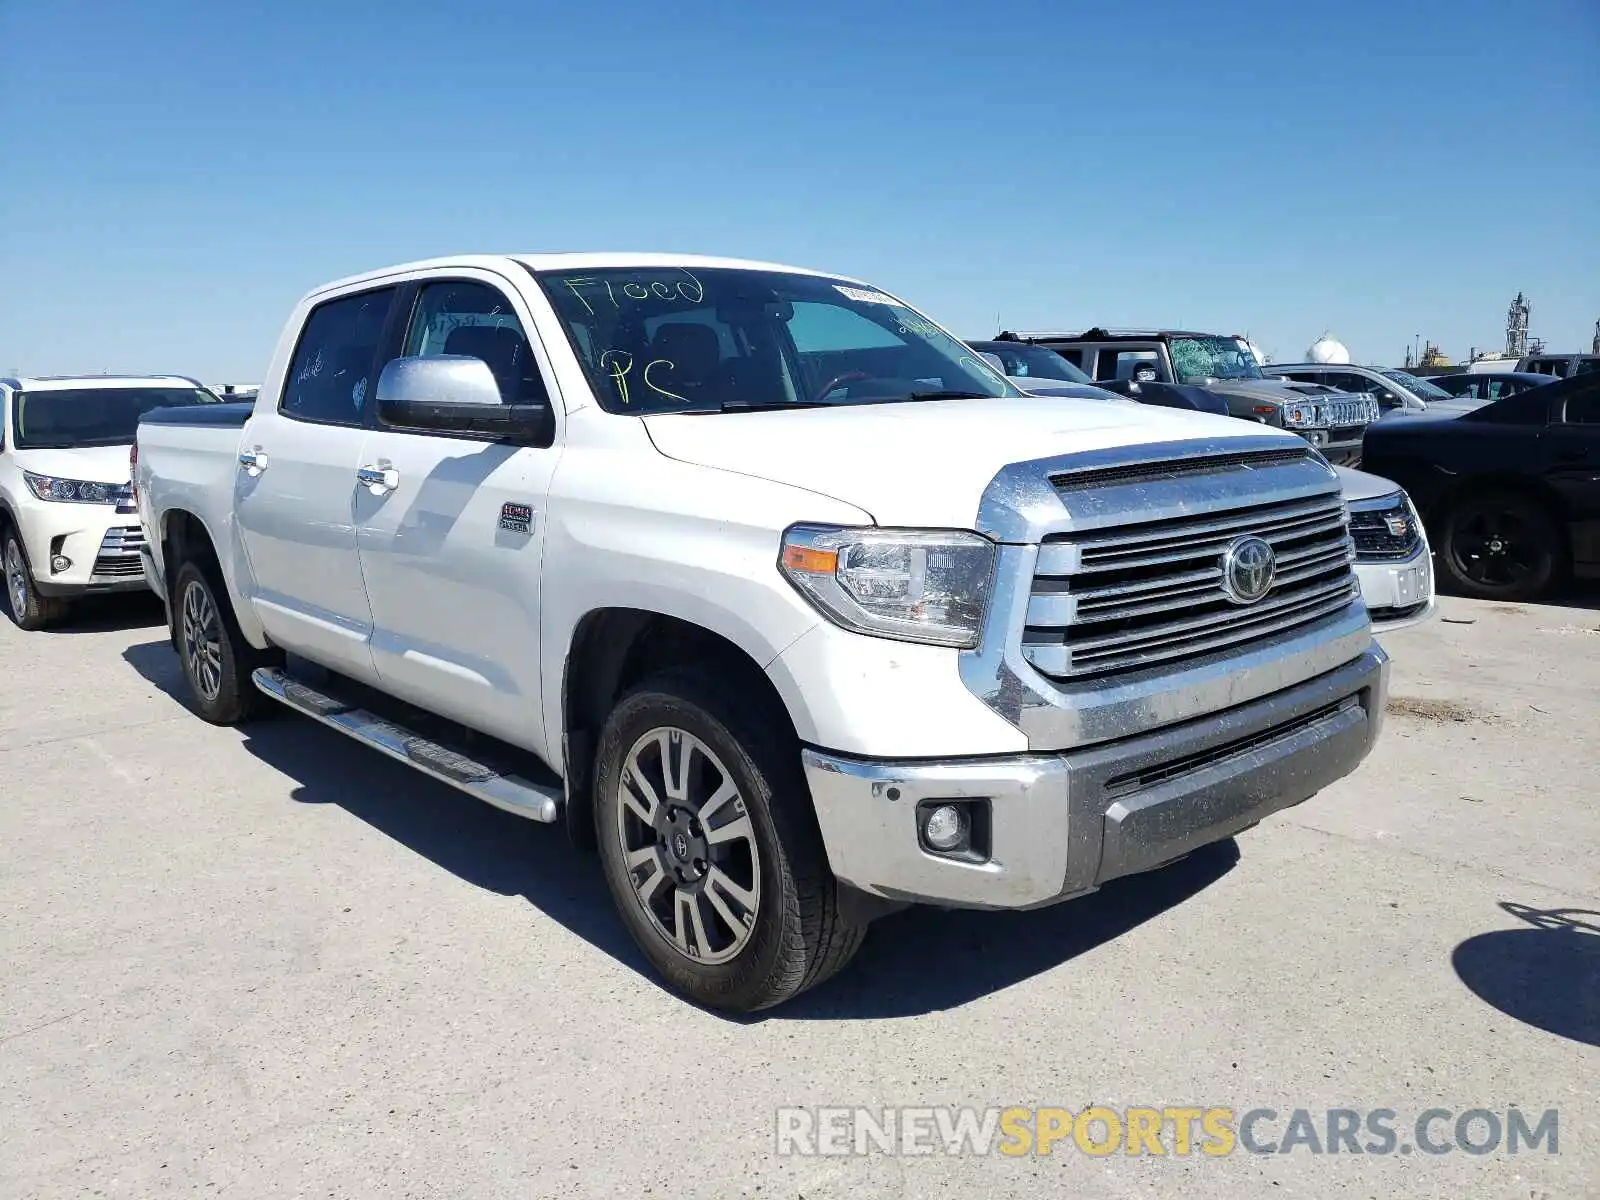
1178,1131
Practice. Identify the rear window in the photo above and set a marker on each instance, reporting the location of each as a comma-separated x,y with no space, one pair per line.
71,418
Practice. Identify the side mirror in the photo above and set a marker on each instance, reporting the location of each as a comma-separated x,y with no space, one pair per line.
454,393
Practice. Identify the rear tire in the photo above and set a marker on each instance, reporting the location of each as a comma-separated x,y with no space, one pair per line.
711,849
1500,546
29,610
217,662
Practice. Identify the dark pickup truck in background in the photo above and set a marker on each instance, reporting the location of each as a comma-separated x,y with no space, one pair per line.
1510,492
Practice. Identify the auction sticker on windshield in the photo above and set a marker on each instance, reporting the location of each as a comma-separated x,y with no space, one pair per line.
866,296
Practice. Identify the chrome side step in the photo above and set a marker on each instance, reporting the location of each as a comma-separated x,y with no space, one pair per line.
536,801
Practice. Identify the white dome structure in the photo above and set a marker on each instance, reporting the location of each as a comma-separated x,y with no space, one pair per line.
1327,350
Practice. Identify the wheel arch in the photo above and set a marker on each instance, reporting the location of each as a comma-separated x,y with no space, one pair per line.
185,536
1496,481
611,650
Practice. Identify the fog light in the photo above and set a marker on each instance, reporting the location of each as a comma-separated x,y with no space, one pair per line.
1317,437
59,564
944,827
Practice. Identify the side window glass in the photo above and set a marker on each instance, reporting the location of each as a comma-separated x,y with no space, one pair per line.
1142,365
473,319
330,375
1583,406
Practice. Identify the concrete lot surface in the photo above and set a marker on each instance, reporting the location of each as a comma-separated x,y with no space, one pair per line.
267,962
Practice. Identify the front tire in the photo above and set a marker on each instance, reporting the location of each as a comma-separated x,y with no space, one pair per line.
710,847
217,662
1500,546
29,610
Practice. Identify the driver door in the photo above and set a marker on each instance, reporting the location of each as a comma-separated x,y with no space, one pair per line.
451,551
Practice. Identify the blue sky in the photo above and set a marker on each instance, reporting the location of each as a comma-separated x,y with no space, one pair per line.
176,174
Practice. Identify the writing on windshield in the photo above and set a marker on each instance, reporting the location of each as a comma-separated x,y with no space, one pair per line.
728,339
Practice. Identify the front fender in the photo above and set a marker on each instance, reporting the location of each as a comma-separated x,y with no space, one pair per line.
688,542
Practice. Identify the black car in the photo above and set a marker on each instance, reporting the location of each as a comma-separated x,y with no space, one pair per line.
1490,385
1023,361
1509,492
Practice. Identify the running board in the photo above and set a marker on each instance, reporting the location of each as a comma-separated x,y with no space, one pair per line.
536,801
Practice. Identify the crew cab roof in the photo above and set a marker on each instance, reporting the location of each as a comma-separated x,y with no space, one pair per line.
568,261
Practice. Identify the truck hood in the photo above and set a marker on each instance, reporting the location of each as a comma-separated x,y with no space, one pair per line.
94,464
922,464
1268,391
1358,485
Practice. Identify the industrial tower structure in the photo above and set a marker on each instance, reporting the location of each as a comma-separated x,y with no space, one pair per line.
1517,327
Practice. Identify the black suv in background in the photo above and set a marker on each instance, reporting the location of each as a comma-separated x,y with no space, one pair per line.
1330,420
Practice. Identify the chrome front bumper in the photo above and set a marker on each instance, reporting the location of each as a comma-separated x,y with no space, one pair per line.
1062,824
1398,594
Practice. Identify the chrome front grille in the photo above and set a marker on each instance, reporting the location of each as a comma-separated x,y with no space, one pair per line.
1131,596
119,553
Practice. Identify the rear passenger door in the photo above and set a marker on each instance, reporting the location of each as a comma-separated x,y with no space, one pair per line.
295,483
451,552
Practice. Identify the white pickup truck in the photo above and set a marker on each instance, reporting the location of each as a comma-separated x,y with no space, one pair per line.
764,584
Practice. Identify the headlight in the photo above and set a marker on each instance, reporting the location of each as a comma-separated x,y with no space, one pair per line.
1303,416
914,585
72,491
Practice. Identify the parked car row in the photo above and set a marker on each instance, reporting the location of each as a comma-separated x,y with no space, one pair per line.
1331,420
1511,523
787,602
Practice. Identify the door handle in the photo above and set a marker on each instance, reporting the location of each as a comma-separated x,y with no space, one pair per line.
378,480
253,461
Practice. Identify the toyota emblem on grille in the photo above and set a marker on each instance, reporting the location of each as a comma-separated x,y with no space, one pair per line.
1248,566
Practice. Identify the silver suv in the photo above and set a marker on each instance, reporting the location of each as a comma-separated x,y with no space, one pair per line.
1395,391
1330,420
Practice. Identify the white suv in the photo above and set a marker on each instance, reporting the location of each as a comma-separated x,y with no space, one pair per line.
67,520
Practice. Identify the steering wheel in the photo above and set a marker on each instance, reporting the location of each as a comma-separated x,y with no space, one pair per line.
842,377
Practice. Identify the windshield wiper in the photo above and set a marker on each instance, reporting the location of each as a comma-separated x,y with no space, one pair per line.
769,405
952,395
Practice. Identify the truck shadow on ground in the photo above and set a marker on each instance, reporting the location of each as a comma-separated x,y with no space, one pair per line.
1545,974
917,961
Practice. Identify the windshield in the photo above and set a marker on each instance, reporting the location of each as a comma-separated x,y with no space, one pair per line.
1023,361
721,339
1199,358
1417,387
74,417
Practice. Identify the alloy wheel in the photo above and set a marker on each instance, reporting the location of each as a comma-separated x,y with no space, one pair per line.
202,641
1494,548
16,578
688,845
